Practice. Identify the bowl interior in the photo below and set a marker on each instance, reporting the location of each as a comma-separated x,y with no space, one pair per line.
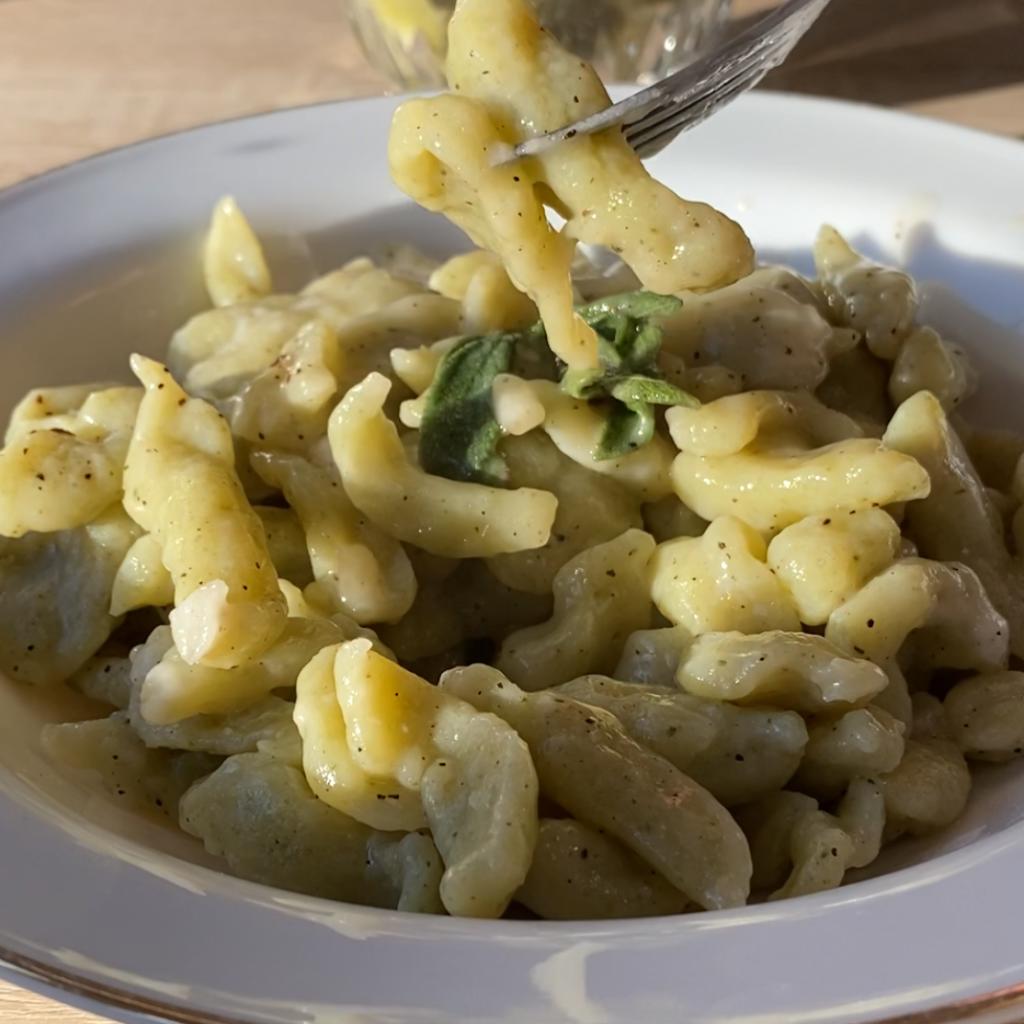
101,259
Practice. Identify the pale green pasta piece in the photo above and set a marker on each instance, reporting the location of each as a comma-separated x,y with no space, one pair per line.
736,753
588,765
579,873
592,509
601,596
985,716
259,815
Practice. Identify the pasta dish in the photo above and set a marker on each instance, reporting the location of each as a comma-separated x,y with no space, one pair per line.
596,572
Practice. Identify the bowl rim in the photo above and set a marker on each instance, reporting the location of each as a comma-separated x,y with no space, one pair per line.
20,965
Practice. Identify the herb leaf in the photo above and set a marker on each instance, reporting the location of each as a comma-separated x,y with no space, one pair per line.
459,435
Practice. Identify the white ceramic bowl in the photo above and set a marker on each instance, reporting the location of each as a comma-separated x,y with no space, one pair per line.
100,259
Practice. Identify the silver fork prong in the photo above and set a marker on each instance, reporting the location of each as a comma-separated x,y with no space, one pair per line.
653,116
638,132
654,138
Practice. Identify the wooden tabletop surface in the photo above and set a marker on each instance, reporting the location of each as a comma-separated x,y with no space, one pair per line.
78,77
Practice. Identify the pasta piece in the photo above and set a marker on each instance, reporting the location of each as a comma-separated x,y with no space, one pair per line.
63,469
767,336
286,405
985,716
235,733
994,454
368,724
720,581
591,510
878,301
771,488
142,580
259,815
444,517
799,671
944,606
798,849
651,656
233,263
181,486
580,874
365,572
286,543
822,561
864,742
929,717
927,363
173,690
928,790
56,595
737,754
447,163
601,596
731,424
108,751
490,302
957,522
576,427
588,765
105,678
858,385
669,518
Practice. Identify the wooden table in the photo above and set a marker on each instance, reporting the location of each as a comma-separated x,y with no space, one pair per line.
77,77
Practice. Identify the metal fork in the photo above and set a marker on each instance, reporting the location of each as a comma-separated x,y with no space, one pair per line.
652,118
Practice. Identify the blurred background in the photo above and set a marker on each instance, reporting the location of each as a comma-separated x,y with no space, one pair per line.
79,76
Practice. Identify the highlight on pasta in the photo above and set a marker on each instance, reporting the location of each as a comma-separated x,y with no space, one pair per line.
523,583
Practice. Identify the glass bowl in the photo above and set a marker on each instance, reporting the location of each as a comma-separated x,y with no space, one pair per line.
625,40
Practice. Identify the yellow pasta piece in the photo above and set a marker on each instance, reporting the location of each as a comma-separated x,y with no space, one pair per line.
490,302
181,486
823,561
172,689
61,465
943,605
465,773
601,596
363,571
772,488
513,81
233,262
444,517
720,581
732,423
